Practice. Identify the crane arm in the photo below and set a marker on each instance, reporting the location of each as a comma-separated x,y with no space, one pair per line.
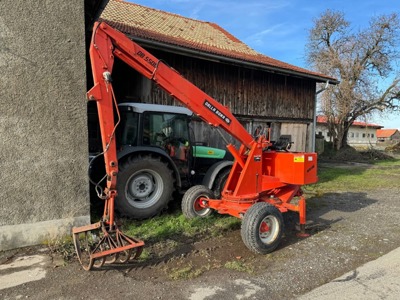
108,43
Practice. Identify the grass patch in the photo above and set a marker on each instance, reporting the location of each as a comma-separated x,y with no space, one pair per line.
187,272
145,255
388,162
172,225
356,178
240,266
63,246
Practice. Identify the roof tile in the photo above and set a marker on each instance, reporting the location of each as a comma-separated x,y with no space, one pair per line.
324,119
385,133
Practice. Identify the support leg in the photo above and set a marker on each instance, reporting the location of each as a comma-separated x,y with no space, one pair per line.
302,218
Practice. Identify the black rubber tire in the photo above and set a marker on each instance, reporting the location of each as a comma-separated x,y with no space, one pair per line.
145,186
190,206
219,182
257,216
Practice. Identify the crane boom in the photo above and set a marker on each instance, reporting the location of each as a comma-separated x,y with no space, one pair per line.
207,108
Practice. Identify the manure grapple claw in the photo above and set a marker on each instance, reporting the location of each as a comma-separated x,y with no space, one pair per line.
98,244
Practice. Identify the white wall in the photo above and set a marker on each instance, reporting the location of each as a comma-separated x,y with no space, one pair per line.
357,136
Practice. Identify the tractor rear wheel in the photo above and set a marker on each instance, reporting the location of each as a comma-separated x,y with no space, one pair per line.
191,207
145,185
262,228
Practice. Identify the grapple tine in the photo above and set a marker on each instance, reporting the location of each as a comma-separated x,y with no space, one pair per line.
96,245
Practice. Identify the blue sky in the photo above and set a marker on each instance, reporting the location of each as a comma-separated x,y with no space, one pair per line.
278,28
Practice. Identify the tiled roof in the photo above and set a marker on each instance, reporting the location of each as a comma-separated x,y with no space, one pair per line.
385,133
159,26
324,120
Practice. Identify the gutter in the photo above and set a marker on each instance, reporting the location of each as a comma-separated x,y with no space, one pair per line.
315,114
220,58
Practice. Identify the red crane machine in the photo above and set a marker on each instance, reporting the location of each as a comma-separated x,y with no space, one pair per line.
260,187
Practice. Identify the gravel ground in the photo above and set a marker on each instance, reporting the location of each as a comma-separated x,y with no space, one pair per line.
348,230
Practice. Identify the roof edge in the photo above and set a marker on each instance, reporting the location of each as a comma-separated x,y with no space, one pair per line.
220,58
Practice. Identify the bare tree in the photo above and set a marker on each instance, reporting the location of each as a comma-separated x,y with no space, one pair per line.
363,61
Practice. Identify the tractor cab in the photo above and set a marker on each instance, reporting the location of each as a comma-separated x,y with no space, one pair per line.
167,128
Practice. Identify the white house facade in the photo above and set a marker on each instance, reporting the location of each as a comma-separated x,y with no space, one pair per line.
360,133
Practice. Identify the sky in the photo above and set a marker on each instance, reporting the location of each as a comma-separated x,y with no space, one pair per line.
279,28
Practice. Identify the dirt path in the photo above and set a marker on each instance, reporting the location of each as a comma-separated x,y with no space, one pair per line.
350,228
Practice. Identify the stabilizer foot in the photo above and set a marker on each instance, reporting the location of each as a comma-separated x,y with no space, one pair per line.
302,231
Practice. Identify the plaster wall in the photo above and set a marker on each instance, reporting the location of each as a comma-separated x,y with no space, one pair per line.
43,121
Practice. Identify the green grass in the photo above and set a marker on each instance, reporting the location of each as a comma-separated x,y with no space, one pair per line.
172,225
187,272
239,266
64,246
382,174
389,162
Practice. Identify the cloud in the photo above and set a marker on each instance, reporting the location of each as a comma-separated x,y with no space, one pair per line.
273,30
282,33
211,9
195,12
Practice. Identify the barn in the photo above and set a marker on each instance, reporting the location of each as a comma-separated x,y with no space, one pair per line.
43,120
259,90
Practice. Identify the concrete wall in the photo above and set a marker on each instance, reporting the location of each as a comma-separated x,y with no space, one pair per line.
43,126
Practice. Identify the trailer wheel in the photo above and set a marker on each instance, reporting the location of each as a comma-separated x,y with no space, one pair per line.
145,185
191,202
262,228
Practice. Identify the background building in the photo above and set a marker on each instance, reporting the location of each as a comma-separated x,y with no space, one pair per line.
360,133
388,136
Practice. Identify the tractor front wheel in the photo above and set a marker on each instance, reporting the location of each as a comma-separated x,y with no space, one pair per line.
262,228
191,205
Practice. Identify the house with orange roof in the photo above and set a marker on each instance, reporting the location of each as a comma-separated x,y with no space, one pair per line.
360,133
259,90
388,135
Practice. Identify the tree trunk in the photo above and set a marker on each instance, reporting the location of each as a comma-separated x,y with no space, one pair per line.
342,130
346,127
338,141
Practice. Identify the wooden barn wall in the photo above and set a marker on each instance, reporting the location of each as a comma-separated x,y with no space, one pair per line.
246,92
254,96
